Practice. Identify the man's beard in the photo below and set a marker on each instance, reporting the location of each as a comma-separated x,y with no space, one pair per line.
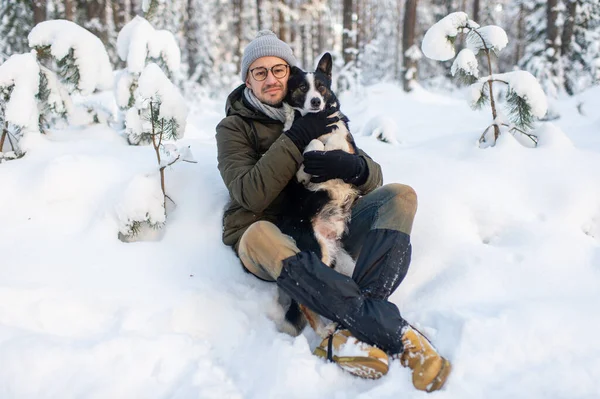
273,103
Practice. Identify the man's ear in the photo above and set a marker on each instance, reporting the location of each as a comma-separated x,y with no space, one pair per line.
325,65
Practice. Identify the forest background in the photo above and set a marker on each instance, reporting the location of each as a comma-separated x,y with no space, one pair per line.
558,41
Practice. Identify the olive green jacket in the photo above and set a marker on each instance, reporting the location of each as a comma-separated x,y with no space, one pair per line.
256,163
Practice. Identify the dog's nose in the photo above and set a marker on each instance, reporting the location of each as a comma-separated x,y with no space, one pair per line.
315,102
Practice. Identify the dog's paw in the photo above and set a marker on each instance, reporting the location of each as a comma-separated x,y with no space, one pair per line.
302,176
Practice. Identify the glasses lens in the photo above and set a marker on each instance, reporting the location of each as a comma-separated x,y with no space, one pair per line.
259,73
279,71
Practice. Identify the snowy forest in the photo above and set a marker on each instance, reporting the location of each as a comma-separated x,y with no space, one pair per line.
115,281
372,40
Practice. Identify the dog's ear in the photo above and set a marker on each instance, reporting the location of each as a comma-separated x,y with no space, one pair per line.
294,70
325,65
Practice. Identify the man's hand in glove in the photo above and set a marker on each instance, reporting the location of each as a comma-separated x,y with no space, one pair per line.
336,164
310,126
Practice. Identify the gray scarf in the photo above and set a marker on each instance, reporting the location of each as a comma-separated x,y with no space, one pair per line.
272,112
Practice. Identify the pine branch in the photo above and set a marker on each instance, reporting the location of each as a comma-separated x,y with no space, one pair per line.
463,78
519,111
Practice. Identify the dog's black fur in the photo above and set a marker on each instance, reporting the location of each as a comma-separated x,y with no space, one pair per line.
302,202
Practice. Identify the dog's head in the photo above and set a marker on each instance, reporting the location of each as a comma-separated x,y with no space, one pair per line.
311,91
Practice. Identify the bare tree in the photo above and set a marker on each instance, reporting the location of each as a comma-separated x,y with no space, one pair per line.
259,23
569,25
408,40
552,29
475,10
398,43
69,11
237,28
121,12
348,34
39,11
520,34
190,27
283,27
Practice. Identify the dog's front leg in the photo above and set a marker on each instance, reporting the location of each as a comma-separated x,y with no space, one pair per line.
314,145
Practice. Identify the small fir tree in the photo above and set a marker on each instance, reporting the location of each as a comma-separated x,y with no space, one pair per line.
159,117
19,89
81,63
525,99
139,44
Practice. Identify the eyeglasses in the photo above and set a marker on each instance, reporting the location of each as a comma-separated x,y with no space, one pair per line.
260,73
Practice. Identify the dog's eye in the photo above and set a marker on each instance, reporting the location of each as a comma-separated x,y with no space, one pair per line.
322,89
304,88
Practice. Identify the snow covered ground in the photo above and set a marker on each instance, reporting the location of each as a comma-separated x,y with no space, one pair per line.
505,277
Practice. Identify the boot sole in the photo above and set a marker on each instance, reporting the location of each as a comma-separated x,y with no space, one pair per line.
360,366
440,379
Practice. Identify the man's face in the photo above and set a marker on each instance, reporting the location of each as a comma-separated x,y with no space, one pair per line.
272,90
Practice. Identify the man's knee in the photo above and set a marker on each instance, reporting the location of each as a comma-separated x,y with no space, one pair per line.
262,248
398,211
261,230
404,198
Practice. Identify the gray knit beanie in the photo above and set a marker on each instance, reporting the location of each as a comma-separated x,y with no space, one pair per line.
266,44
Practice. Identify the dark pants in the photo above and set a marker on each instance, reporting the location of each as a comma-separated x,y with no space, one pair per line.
379,240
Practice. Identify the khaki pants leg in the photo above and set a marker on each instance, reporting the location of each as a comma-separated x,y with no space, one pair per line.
262,248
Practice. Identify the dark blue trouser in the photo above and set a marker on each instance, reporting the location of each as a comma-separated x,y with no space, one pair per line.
379,237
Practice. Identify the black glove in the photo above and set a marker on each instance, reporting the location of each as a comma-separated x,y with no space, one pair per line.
310,126
336,164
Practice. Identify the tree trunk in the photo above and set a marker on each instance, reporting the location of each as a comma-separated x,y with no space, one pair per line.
259,23
237,28
282,25
569,24
69,11
96,10
121,13
134,7
347,35
408,40
39,11
398,57
304,45
552,29
520,33
191,43
475,11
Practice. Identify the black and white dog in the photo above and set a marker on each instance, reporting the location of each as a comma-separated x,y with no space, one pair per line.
318,213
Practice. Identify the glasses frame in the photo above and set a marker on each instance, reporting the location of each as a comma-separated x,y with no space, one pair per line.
287,69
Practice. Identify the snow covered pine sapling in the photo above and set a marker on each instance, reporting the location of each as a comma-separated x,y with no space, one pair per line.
33,97
82,67
525,98
162,116
19,88
139,44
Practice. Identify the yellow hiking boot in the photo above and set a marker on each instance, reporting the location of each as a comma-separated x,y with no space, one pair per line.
430,370
354,356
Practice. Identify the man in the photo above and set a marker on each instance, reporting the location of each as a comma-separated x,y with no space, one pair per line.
257,161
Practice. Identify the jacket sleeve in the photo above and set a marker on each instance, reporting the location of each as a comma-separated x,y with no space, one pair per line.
254,181
375,177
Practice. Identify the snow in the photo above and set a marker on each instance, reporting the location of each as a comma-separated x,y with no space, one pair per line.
142,201
436,44
504,278
465,61
90,55
154,84
139,40
22,72
525,85
491,37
